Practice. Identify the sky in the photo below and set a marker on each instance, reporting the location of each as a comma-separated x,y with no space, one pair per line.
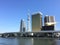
12,11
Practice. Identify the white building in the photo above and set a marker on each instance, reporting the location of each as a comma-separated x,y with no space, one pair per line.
22,26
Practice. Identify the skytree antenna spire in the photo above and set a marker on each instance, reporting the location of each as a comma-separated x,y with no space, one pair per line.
28,22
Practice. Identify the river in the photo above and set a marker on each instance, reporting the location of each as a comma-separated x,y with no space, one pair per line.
29,41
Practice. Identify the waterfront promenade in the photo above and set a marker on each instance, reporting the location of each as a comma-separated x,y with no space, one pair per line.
31,34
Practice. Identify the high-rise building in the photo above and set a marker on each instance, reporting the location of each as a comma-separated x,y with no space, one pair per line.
49,23
49,20
22,26
36,22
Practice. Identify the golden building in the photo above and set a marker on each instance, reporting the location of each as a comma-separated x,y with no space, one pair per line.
36,22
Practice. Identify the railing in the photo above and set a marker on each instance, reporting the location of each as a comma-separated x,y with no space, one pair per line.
31,34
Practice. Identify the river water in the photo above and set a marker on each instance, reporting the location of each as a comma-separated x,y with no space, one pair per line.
29,41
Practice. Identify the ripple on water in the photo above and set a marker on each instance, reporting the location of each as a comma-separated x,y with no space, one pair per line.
3,44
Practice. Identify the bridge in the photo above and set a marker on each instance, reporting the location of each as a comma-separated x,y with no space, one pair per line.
31,34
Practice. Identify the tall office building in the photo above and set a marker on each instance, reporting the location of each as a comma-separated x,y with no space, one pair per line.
49,20
36,22
22,26
49,23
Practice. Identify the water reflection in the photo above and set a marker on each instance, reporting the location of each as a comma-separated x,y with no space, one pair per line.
8,41
29,41
25,41
35,41
57,42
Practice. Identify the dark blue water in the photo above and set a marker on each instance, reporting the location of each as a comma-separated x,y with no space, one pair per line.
29,41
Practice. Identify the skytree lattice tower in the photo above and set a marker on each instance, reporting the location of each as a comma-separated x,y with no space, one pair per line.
28,24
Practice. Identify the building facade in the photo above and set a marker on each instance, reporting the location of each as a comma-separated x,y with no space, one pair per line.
47,28
22,26
49,23
49,20
36,22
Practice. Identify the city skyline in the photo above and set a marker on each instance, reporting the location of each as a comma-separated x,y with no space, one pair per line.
12,11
